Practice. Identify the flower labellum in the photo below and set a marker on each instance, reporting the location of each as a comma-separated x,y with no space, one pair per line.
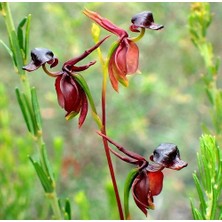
168,155
148,181
144,20
69,84
39,57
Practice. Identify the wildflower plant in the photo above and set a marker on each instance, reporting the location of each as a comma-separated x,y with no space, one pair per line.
74,96
207,178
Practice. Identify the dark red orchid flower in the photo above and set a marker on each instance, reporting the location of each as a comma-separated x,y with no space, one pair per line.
145,186
148,181
70,93
125,55
124,59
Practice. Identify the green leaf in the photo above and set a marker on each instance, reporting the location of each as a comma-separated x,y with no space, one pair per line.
46,164
44,179
25,111
27,36
20,33
17,52
196,213
129,181
7,48
200,193
86,89
36,109
29,107
68,209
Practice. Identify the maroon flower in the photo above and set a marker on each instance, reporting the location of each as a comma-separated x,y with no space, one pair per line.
71,97
124,59
71,94
125,55
148,181
145,186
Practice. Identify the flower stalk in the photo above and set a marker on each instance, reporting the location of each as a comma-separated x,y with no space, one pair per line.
104,64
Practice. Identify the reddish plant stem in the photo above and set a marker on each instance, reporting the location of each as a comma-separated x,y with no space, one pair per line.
107,151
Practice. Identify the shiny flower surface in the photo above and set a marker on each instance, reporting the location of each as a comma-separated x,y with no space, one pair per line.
71,94
124,59
148,181
125,55
168,155
145,186
144,20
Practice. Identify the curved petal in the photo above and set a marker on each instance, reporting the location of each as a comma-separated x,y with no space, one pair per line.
120,57
140,190
115,75
84,109
156,182
60,97
70,92
112,73
105,23
132,57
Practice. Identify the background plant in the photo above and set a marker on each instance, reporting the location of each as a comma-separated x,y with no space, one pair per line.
171,92
209,158
18,49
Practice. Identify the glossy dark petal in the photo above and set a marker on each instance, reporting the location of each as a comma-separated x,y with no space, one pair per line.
145,186
168,155
84,109
70,91
144,20
71,97
60,96
156,182
140,190
39,57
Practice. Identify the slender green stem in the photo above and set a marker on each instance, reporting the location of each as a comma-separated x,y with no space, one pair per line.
14,45
19,60
53,199
137,38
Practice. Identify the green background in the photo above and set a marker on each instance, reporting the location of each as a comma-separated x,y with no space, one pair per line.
165,103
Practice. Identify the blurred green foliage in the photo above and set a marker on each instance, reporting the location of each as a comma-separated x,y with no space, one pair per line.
15,171
166,103
208,177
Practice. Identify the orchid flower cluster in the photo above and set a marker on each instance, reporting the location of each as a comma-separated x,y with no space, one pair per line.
74,97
